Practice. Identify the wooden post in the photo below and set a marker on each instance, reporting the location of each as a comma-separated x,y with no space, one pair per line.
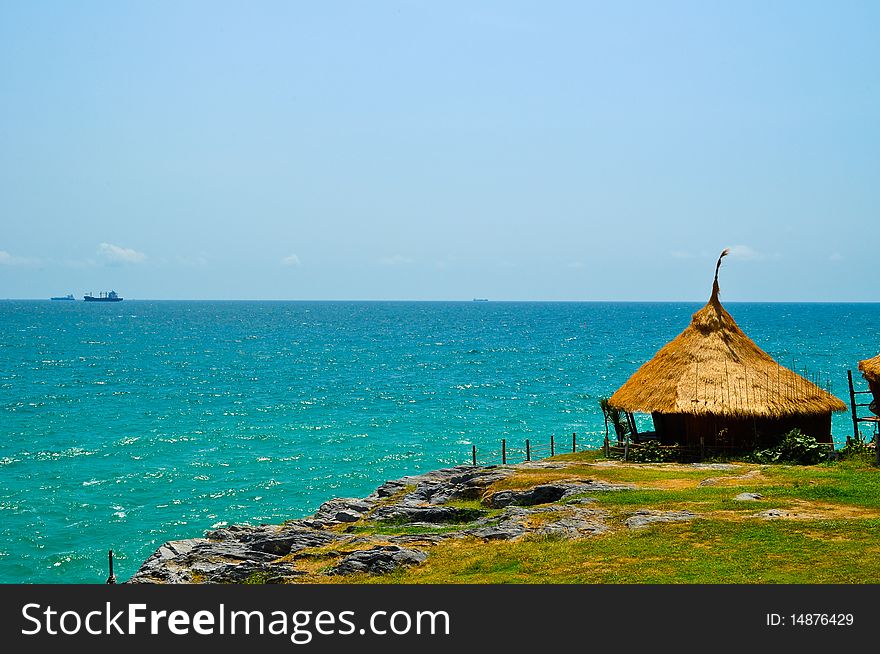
112,578
852,404
474,453
574,442
607,447
504,451
702,448
528,450
552,446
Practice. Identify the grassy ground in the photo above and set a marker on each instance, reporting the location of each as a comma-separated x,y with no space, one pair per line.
829,532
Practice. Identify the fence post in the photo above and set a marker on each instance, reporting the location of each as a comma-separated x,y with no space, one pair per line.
112,578
474,453
552,446
504,451
702,448
528,450
852,403
574,442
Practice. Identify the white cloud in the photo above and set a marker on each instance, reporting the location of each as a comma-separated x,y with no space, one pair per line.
7,259
291,261
115,254
396,260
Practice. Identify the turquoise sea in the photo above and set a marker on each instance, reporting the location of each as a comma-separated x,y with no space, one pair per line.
125,425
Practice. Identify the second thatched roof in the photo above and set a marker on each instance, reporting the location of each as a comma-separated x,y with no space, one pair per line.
713,368
871,369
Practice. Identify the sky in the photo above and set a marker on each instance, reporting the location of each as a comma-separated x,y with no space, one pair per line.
440,150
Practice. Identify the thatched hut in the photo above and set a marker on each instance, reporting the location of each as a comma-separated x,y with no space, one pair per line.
713,383
871,372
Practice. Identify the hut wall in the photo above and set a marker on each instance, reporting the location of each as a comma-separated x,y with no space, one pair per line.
720,431
875,391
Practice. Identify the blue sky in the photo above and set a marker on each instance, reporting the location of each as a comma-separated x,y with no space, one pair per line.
445,150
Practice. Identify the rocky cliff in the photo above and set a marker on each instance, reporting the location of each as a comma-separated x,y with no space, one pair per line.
394,526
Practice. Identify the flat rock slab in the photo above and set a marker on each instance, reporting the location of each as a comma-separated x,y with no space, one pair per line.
749,497
256,572
378,560
782,514
342,509
713,481
547,493
645,517
425,514
217,556
441,486
516,522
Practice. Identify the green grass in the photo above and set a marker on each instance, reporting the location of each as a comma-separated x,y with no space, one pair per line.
839,544
694,499
843,483
703,551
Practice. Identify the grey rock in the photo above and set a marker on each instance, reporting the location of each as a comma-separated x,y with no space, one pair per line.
440,486
542,494
217,557
546,493
425,514
569,521
340,510
583,500
749,497
276,540
714,466
378,560
772,514
712,481
254,571
645,517
500,531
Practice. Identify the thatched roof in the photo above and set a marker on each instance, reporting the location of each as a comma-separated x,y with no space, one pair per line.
713,368
871,369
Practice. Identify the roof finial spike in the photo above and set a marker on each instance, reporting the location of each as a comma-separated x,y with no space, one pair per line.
717,267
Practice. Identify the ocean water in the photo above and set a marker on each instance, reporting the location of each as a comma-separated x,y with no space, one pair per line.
125,425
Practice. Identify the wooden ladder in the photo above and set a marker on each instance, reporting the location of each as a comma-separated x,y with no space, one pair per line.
854,407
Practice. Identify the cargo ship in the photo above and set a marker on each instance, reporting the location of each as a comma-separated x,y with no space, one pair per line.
102,297
66,297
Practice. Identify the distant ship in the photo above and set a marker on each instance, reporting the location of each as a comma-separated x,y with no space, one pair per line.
481,299
66,297
103,297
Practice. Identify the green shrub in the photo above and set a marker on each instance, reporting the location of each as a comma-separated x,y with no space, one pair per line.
795,447
650,452
856,450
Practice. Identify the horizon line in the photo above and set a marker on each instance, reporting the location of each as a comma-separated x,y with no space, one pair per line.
457,300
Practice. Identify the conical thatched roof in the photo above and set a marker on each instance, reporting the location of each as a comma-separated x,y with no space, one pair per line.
713,368
871,369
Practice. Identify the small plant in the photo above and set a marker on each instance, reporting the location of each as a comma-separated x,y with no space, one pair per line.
795,447
856,450
651,452
616,418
